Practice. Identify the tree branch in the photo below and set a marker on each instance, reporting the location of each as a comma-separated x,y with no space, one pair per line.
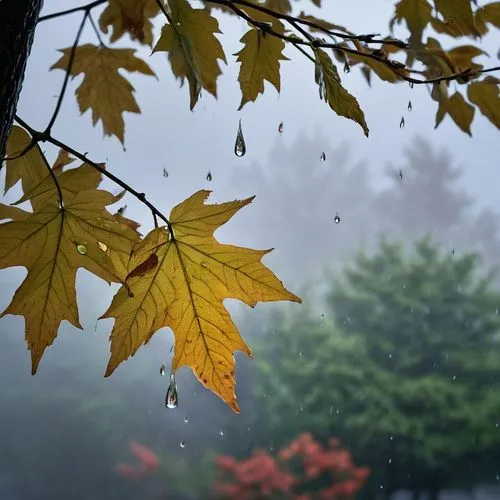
67,75
86,7
44,137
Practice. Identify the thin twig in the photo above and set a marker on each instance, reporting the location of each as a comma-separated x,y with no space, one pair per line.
42,136
67,75
155,219
164,10
96,30
86,7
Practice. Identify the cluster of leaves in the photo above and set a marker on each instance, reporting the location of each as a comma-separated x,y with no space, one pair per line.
177,276
189,37
304,470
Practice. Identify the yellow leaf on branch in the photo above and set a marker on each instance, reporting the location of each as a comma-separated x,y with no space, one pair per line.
103,90
179,279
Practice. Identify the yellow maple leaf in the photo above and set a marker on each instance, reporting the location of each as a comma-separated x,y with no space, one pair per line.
193,49
459,14
260,60
486,96
458,108
53,242
489,13
417,14
103,90
183,287
331,90
129,16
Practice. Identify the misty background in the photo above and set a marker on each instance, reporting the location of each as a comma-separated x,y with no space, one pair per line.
64,430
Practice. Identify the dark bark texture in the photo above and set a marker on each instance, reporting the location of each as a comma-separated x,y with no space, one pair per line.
18,20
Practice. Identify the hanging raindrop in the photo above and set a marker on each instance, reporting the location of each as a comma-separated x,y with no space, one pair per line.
221,433
186,419
411,85
209,176
81,249
337,219
400,175
280,128
410,106
162,370
239,146
121,210
182,444
347,68
165,172
323,156
171,398
402,122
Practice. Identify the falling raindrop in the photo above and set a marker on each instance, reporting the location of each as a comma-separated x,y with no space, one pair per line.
337,219
221,433
81,249
280,128
347,68
410,106
182,444
165,172
300,354
400,175
171,398
411,85
186,419
121,210
322,317
239,146
452,251
402,122
209,176
162,370
323,156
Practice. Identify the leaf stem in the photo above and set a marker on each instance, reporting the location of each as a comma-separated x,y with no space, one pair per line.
96,30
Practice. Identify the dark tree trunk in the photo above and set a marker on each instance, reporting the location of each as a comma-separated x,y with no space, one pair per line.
18,20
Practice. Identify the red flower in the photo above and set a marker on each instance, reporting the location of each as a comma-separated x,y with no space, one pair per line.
148,458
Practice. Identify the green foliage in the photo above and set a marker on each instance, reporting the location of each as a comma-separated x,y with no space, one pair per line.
405,374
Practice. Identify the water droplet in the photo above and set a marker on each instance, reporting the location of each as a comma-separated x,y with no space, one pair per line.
102,246
412,85
171,398
454,377
182,444
391,438
280,128
209,176
402,122
221,433
204,264
400,175
162,370
337,219
186,419
300,354
165,172
239,146
410,106
390,460
81,249
347,68
323,156
121,210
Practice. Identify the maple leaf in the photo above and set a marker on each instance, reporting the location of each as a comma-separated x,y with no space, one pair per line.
193,49
459,109
183,287
129,16
459,14
486,96
53,242
103,90
260,60
489,13
417,14
330,88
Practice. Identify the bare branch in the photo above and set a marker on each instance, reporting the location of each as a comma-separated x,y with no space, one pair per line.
85,8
